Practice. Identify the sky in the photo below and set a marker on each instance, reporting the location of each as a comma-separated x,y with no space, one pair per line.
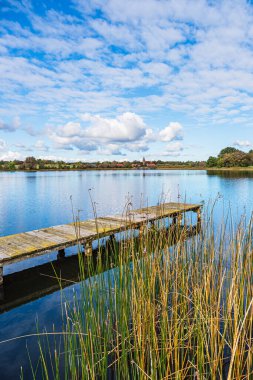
118,80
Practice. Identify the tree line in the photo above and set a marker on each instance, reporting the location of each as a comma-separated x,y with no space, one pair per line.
228,157
231,157
32,164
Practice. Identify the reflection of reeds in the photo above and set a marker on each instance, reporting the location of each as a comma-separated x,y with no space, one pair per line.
163,311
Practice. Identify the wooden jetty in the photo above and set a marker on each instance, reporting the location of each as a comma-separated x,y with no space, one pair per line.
24,245
32,283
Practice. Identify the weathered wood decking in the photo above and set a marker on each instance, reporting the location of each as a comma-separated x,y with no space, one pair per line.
20,246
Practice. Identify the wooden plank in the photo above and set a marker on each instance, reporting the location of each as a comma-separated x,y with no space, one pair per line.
57,237
53,239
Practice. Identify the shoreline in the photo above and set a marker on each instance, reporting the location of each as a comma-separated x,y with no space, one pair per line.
250,168
230,169
97,169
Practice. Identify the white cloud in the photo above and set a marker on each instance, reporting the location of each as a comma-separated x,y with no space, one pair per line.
71,129
174,147
146,56
41,146
124,133
10,127
10,155
93,131
126,127
174,131
242,143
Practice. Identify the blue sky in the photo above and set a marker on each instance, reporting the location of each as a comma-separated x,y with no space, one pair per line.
112,79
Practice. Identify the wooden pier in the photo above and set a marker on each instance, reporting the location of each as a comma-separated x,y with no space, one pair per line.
24,245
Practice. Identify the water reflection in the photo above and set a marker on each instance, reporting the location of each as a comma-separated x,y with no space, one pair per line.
31,201
33,283
231,173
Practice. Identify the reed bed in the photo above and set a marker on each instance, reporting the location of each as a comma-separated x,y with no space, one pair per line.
176,304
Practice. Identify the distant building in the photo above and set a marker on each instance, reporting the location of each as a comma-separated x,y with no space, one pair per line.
151,165
143,161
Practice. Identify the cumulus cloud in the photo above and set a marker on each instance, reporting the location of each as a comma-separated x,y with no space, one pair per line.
132,45
10,155
126,127
94,130
145,56
126,132
174,131
243,143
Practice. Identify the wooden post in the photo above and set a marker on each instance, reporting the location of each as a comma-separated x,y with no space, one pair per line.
174,220
88,248
199,218
61,254
1,274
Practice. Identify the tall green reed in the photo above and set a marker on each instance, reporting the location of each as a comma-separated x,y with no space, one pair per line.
176,304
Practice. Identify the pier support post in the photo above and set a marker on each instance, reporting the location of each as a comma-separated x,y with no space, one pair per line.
88,248
174,221
177,220
1,274
199,218
61,254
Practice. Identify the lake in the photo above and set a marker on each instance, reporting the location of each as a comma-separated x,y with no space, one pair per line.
40,199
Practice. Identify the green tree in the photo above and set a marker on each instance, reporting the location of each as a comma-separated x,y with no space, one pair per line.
237,158
227,150
30,163
212,162
11,165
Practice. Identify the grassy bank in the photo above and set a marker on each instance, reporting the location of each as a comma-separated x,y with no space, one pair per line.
237,168
170,307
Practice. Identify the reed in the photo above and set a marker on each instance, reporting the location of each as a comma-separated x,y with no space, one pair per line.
172,306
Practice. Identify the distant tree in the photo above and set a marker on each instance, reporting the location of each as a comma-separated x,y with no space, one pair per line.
212,162
30,160
30,163
237,158
11,165
250,156
228,149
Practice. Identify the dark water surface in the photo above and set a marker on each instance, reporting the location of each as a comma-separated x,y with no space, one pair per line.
30,201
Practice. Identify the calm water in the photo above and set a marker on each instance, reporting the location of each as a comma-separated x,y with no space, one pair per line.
34,200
